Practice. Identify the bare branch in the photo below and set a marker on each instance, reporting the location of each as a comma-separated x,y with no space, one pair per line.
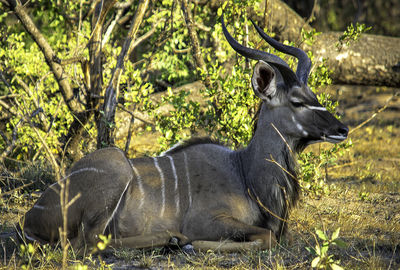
5,2
124,5
111,27
202,27
72,60
112,92
181,51
35,101
194,40
48,53
98,19
143,37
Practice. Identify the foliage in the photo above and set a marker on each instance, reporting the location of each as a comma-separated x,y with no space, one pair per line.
228,96
351,34
41,119
322,259
34,255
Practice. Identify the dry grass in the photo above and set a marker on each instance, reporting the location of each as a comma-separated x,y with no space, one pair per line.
362,198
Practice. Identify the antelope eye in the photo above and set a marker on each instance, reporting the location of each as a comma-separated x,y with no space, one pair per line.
296,103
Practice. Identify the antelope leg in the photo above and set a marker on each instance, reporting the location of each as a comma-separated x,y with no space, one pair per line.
226,227
158,239
226,246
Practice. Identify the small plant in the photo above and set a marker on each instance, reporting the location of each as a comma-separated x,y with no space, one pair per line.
34,255
323,260
351,34
105,241
27,253
364,196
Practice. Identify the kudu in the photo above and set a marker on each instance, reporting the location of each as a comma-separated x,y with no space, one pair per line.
200,191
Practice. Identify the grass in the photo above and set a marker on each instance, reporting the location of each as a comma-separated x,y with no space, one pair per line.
361,197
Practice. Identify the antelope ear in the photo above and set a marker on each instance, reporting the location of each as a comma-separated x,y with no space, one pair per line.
264,81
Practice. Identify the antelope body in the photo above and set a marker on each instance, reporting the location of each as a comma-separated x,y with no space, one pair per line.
199,191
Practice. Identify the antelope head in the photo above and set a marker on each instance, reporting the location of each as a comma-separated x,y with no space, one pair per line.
287,98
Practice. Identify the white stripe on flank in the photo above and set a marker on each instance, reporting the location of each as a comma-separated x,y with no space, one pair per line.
170,149
28,237
140,184
176,184
316,108
92,169
162,185
39,207
117,206
188,178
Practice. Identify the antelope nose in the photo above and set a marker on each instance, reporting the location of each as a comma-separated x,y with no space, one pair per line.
343,131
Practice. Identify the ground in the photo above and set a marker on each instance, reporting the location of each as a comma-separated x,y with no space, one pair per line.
360,195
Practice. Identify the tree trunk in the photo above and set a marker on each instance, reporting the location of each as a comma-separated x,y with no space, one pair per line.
370,60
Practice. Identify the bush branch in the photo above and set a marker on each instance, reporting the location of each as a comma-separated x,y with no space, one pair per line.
48,53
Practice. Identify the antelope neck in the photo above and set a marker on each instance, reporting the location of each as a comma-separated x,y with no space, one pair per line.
267,146
268,167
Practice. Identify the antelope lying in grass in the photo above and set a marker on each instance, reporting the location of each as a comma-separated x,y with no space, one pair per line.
199,192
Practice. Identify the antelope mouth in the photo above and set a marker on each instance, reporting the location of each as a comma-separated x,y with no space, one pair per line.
334,138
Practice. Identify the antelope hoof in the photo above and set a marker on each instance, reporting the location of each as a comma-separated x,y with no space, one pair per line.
189,249
178,239
268,240
174,241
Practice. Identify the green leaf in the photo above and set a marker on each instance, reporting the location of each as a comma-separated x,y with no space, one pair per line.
336,234
321,235
168,134
318,250
311,250
324,249
315,262
336,267
340,243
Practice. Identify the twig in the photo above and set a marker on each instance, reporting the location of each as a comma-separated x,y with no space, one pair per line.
17,188
63,231
72,60
280,166
10,96
48,131
255,198
202,27
7,107
129,136
376,113
4,79
35,101
311,18
283,138
134,115
49,153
